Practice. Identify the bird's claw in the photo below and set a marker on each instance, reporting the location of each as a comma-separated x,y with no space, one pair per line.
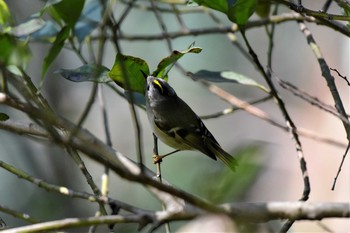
157,159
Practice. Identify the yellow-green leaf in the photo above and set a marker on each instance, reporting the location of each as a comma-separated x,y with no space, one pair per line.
133,79
167,63
4,13
13,51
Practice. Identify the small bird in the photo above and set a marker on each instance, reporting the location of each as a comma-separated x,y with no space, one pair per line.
177,125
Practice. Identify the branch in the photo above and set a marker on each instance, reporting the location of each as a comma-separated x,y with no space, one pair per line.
87,143
317,14
19,215
251,212
257,112
275,19
289,210
310,99
340,75
327,76
21,128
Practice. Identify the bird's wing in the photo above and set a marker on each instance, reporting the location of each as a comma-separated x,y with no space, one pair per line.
194,136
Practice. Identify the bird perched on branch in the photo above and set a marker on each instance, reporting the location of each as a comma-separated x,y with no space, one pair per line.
177,125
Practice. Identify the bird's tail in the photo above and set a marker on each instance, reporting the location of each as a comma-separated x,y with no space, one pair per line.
225,157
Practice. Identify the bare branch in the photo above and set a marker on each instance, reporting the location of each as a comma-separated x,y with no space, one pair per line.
340,75
19,215
238,211
340,166
327,75
312,100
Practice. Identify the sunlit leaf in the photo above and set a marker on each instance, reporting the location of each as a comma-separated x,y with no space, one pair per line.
54,51
167,63
13,51
88,72
5,15
227,76
133,79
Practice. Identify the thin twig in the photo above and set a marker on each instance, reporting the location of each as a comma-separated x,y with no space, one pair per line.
230,35
317,14
131,101
340,166
270,33
123,16
77,159
68,192
327,5
233,109
105,176
274,19
85,142
179,18
340,75
289,122
16,214
327,75
324,227
87,109
240,211
159,176
162,25
310,99
170,47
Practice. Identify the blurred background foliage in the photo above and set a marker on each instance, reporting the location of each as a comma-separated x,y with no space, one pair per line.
269,168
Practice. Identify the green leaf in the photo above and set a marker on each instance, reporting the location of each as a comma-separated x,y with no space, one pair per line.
239,11
5,15
263,8
133,65
54,51
167,63
69,11
227,76
225,186
88,72
346,7
13,51
4,117
219,5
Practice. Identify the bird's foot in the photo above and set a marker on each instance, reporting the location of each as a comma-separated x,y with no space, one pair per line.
157,159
